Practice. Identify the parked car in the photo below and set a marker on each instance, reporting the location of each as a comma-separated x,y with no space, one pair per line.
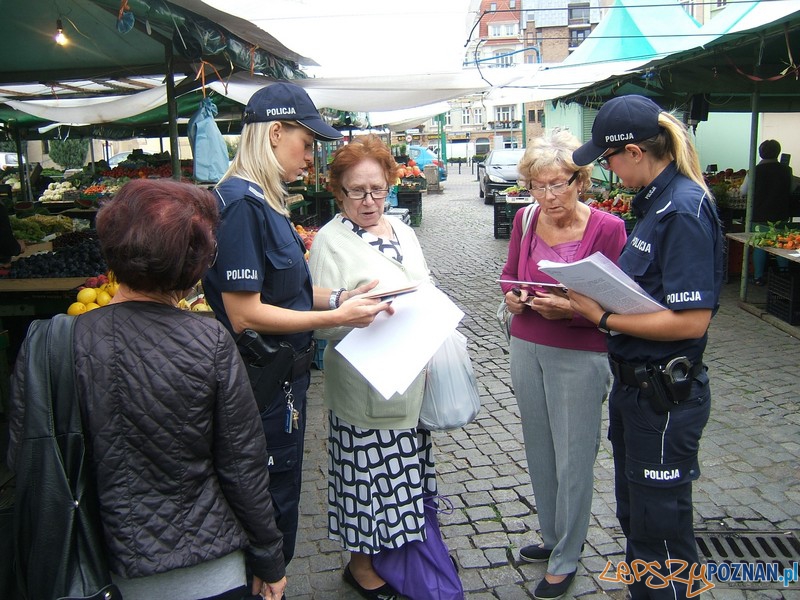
423,156
122,156
498,172
9,160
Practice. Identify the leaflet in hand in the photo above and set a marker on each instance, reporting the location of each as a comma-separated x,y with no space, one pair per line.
599,278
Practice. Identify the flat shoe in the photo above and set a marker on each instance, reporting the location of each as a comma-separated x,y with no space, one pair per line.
535,553
549,591
385,592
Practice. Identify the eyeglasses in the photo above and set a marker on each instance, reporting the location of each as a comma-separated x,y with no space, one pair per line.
603,160
362,195
557,189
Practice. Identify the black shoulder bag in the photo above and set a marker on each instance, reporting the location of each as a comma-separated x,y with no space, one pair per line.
59,547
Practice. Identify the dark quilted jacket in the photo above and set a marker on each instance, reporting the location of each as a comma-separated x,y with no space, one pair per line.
176,439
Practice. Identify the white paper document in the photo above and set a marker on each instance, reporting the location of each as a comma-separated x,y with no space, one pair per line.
599,278
392,351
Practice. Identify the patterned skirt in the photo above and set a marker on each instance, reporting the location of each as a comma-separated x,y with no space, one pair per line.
376,482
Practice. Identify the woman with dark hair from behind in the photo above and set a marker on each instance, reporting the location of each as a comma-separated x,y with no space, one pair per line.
171,424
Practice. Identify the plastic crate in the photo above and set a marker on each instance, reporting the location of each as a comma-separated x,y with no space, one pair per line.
783,296
784,309
502,224
400,213
318,354
784,284
413,202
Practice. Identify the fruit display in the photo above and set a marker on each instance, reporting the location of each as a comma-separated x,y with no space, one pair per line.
55,191
195,300
784,239
516,190
617,202
725,186
81,260
36,227
307,235
411,178
94,293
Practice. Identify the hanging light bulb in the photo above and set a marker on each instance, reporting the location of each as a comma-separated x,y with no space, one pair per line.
59,37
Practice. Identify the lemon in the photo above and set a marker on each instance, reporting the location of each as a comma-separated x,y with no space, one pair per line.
87,295
103,298
76,308
92,306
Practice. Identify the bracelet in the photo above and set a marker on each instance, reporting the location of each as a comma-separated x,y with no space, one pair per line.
602,325
336,296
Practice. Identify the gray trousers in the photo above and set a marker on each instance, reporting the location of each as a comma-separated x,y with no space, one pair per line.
560,396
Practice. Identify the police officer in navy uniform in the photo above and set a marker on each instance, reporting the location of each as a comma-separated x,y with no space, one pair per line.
661,400
261,281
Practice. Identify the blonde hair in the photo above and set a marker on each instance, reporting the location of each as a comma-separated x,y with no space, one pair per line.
553,151
255,161
675,144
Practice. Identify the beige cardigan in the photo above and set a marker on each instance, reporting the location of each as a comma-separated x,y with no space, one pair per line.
341,259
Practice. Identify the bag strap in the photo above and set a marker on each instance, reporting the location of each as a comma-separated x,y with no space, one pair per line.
527,217
50,378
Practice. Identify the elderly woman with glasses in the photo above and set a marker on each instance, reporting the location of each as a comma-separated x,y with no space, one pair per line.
379,464
559,367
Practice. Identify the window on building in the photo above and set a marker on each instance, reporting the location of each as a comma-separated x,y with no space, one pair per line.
512,3
447,118
493,6
465,117
477,116
578,14
502,58
504,113
531,116
576,36
503,30
540,117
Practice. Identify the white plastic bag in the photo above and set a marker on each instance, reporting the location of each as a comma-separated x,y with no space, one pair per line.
451,397
504,319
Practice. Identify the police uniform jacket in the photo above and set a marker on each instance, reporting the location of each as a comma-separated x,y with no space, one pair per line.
675,254
259,250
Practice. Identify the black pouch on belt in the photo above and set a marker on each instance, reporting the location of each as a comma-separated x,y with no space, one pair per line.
652,386
268,364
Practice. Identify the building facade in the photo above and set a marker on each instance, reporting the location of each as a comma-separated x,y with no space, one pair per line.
509,33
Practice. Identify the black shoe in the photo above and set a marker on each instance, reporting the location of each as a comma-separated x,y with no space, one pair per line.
760,282
535,554
385,592
549,591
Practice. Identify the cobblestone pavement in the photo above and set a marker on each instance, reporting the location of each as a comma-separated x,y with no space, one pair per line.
749,453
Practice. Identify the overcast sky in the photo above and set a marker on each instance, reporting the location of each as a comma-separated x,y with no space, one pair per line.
352,38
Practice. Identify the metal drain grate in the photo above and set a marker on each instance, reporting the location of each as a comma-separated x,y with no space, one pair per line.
757,547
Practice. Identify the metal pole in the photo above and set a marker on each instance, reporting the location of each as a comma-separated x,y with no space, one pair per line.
751,178
172,111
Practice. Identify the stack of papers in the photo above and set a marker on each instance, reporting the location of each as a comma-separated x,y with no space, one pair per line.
393,350
604,282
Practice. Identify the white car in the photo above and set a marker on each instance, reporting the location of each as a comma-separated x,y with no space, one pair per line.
9,160
118,158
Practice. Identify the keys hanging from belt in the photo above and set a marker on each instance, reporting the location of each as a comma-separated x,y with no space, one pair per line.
292,419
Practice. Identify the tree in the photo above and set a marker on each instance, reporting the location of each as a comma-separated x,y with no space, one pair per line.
69,154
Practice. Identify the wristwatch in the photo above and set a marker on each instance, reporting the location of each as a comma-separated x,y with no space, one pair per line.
336,296
601,325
